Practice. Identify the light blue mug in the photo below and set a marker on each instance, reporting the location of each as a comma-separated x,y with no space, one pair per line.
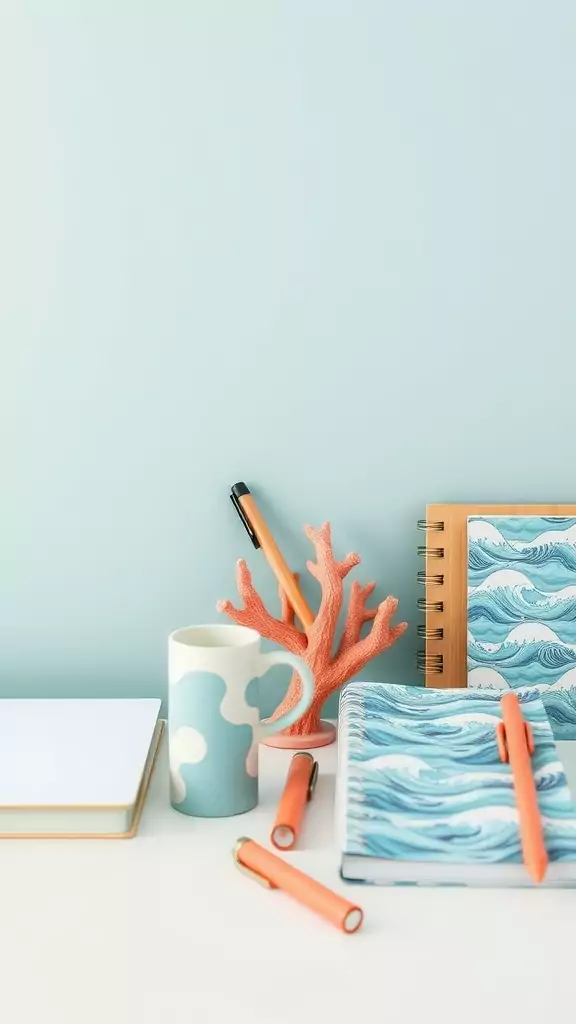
214,725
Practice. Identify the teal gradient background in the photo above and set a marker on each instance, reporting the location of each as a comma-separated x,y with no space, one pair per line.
323,246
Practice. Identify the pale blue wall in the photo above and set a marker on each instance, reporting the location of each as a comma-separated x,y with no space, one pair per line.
327,247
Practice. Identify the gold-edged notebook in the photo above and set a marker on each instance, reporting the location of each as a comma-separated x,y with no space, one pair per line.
137,810
76,768
539,570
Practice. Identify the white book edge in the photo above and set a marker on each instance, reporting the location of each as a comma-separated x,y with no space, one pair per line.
85,822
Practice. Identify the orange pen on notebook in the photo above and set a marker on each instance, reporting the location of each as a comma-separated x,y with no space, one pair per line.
516,745
261,537
274,873
300,784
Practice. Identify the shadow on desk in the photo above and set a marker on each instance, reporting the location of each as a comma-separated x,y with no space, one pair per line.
161,823
318,830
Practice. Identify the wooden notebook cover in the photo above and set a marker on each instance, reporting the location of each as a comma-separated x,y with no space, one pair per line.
453,592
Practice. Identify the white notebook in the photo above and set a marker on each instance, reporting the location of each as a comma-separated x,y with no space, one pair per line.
75,766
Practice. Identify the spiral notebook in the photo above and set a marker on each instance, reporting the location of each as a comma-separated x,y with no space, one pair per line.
423,797
500,602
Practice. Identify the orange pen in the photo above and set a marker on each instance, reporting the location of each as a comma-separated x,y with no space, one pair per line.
516,745
261,537
274,873
300,785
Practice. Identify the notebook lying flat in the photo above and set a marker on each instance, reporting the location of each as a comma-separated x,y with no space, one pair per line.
423,797
76,767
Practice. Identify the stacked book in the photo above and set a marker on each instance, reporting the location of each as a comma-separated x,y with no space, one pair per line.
76,768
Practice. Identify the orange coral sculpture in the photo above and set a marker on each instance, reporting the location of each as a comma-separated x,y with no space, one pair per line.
316,644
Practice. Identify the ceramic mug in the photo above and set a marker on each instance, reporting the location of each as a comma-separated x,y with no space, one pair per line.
214,725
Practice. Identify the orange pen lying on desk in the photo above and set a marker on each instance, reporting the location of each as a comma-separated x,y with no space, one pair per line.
299,788
274,873
516,745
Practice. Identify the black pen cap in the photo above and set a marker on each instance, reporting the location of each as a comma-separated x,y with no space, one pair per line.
239,489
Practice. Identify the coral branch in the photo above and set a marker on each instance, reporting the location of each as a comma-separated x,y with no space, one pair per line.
329,574
381,636
357,614
316,644
254,614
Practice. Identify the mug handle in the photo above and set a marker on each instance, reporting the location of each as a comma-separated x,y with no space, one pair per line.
269,727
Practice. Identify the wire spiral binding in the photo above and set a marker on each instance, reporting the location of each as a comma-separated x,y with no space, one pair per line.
424,551
430,664
436,526
426,633
429,606
428,579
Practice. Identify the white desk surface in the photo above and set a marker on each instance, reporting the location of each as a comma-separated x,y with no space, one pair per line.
164,928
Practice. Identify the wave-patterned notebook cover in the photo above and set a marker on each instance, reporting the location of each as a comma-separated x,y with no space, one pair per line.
423,796
522,609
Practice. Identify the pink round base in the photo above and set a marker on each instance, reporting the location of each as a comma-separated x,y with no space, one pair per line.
326,735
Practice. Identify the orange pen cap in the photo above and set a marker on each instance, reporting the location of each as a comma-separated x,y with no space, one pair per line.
298,790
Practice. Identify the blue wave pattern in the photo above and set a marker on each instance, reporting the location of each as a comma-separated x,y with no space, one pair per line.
550,566
522,570
424,781
526,528
493,613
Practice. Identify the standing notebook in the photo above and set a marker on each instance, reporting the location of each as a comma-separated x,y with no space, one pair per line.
423,797
500,601
76,768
